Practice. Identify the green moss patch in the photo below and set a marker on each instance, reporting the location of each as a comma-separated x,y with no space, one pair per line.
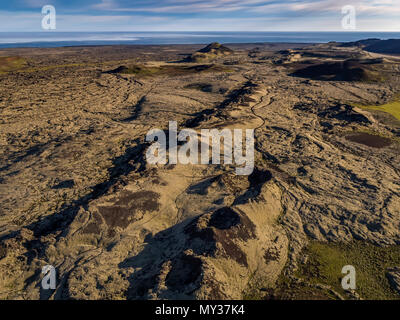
392,108
8,64
325,263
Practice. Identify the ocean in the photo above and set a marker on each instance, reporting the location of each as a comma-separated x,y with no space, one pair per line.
60,39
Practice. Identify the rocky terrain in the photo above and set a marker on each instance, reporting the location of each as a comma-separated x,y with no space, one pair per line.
77,193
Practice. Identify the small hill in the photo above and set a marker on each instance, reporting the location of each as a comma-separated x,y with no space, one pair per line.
166,70
135,69
288,56
210,52
390,46
361,43
349,70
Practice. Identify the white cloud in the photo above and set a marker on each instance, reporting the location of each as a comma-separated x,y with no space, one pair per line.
235,15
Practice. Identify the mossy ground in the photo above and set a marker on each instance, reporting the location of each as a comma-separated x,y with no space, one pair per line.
324,267
392,107
325,263
8,64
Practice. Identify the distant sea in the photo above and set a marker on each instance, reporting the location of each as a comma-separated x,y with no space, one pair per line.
60,39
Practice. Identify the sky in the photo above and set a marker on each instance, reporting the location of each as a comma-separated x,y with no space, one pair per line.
199,15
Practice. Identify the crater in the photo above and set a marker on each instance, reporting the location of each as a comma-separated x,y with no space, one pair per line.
369,140
130,207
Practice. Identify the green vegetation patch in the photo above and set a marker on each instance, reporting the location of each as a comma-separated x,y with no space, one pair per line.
325,263
8,64
392,108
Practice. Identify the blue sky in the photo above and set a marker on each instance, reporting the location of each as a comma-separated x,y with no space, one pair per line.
200,15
